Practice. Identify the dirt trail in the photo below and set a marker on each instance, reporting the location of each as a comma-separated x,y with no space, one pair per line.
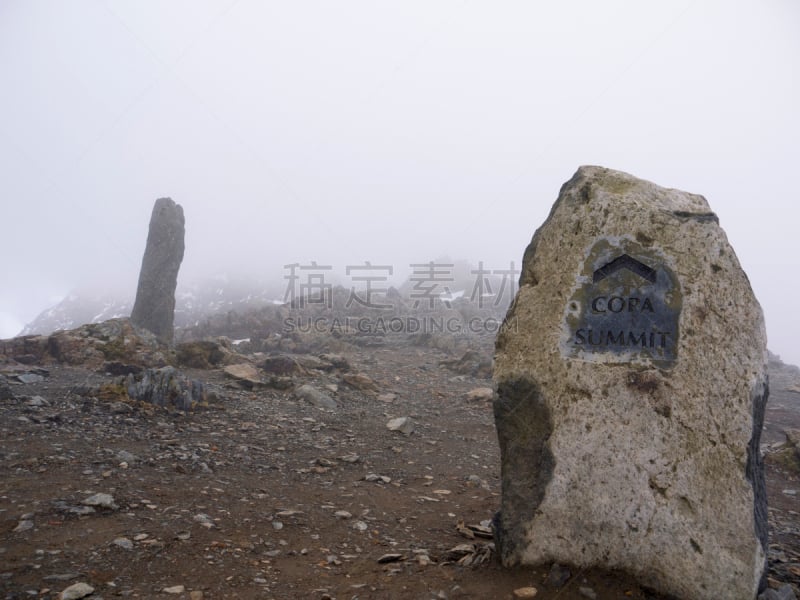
261,495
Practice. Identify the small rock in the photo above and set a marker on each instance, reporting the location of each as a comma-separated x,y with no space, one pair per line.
36,401
423,560
785,592
588,592
342,514
459,551
123,543
401,424
76,591
372,477
61,577
100,500
313,396
360,526
475,480
558,576
389,397
127,457
337,360
464,531
481,394
391,557
62,506
31,378
282,365
175,589
196,595
244,373
24,525
277,525
204,520
525,592
360,381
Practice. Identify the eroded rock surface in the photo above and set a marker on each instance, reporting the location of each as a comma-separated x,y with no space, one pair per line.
631,385
154,308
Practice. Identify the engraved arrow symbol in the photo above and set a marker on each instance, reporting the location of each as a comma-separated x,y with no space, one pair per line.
625,262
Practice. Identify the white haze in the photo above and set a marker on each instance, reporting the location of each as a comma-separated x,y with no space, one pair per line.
390,132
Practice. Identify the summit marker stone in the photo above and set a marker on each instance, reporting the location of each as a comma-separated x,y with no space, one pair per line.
154,308
631,386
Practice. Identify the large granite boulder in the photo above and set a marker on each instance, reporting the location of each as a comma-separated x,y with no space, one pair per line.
154,307
631,386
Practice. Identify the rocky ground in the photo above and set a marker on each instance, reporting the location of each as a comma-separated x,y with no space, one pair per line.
274,490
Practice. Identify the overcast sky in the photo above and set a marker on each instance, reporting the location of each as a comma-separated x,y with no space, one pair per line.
393,132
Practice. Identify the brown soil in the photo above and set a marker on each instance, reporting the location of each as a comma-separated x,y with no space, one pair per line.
271,472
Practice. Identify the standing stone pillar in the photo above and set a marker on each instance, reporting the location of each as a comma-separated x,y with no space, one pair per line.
154,308
631,386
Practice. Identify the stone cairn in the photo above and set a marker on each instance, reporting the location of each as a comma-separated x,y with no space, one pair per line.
631,386
154,308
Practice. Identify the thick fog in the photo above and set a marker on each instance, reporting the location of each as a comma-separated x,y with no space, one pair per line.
390,132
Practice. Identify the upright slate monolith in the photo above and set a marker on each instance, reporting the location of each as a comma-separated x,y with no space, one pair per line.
631,385
154,308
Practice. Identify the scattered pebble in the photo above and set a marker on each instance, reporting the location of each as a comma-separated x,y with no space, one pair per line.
101,501
525,592
481,394
401,424
391,557
123,543
76,591
61,577
558,576
24,525
372,477
126,457
588,592
204,520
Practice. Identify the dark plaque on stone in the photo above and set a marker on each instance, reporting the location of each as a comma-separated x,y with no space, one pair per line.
625,307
